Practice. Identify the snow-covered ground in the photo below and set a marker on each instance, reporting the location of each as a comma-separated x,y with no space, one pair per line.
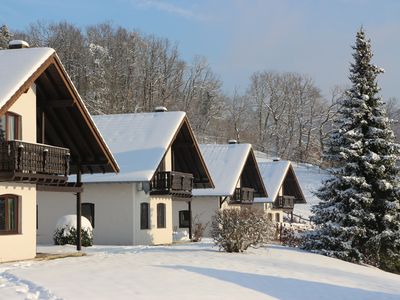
310,178
193,271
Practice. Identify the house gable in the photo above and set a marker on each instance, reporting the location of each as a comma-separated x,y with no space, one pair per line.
62,118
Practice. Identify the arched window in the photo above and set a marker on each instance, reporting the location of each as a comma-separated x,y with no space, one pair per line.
144,216
161,215
88,212
269,217
9,214
10,127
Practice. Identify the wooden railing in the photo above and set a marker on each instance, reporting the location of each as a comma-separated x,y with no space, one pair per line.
22,161
173,183
243,196
284,202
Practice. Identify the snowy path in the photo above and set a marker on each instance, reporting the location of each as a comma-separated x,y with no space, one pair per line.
12,287
194,271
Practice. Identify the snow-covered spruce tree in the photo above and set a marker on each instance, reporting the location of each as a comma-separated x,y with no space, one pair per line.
358,215
5,37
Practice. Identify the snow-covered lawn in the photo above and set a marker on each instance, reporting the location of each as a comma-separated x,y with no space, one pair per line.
193,271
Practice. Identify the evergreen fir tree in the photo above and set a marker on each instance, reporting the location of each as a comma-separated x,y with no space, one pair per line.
358,216
5,37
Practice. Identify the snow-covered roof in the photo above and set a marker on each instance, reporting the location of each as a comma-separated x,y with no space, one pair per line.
273,174
225,163
17,66
138,142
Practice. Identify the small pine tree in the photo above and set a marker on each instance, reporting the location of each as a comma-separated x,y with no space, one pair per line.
358,215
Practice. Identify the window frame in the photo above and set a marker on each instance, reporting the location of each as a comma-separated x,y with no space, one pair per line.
144,223
181,214
16,198
17,124
161,215
92,210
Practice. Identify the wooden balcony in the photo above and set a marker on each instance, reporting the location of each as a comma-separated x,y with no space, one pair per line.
243,196
34,163
172,183
284,202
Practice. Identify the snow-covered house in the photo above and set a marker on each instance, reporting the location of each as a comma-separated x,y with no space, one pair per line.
160,164
284,190
46,134
237,181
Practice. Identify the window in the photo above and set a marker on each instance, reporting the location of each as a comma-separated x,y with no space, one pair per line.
269,217
144,216
10,127
184,219
9,214
161,215
88,212
277,217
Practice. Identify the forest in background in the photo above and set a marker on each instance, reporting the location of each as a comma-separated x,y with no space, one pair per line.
117,70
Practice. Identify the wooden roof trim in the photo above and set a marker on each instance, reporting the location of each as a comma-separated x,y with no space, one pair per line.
85,113
297,182
185,120
26,85
258,171
196,145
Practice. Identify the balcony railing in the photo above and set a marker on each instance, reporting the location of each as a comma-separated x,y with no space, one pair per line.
172,183
30,162
284,202
243,196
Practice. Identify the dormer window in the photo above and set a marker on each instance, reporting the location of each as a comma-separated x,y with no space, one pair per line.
10,127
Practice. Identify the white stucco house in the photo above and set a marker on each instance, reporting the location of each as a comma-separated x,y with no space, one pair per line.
46,134
237,181
160,165
284,190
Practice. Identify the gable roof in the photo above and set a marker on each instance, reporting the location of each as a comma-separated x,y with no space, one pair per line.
67,121
274,174
226,163
139,142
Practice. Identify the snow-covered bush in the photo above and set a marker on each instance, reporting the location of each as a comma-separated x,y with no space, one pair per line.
66,232
234,230
293,235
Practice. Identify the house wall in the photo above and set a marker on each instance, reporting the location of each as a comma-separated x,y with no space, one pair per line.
117,214
22,245
203,208
25,106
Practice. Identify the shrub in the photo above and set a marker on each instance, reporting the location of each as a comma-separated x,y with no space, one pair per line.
234,230
198,229
66,233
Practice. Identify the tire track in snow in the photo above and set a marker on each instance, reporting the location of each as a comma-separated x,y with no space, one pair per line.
31,290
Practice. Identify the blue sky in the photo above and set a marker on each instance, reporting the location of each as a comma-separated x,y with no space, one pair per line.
239,37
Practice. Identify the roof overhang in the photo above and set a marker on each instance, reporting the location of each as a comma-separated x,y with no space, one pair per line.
67,122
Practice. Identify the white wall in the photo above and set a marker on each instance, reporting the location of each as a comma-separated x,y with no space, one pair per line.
203,208
117,214
22,245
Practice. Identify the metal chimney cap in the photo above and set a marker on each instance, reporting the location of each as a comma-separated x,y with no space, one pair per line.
160,109
232,141
17,44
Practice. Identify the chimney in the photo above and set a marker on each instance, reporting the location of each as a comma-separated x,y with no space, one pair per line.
17,44
232,141
160,109
276,159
